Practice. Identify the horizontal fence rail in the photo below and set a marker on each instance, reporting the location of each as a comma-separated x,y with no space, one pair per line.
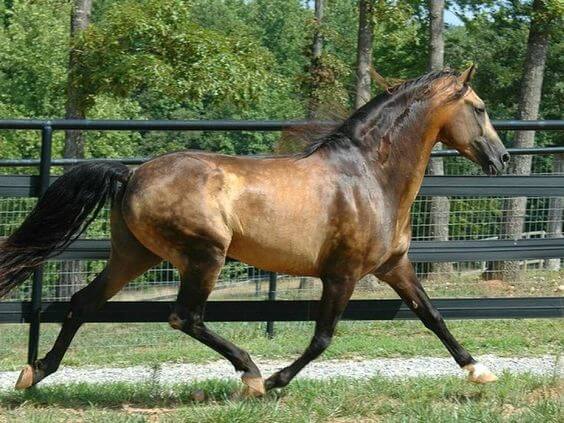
420,251
227,125
537,151
294,311
231,125
36,311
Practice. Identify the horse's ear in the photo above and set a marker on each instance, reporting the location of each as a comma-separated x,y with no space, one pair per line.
467,75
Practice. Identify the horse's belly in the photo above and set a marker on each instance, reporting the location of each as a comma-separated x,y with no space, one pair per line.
277,255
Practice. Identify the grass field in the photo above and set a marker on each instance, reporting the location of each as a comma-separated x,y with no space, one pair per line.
120,345
512,399
455,285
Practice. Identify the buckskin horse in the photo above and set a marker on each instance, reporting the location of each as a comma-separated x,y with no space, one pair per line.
338,211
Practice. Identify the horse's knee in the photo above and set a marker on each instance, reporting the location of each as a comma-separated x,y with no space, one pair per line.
80,304
176,322
90,298
190,325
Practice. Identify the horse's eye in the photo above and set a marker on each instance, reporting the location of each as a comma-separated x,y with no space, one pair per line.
479,110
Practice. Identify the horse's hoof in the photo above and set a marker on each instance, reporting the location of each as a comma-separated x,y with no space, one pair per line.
254,386
275,381
478,373
25,380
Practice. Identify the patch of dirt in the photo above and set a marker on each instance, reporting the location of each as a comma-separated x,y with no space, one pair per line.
544,393
496,286
508,410
130,409
151,415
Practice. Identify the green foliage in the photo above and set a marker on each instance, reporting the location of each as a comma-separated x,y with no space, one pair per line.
33,48
495,38
179,59
155,44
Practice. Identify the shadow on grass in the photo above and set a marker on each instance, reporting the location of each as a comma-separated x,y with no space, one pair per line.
116,395
301,394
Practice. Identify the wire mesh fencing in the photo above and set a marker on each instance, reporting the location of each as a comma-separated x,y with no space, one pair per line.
480,218
239,281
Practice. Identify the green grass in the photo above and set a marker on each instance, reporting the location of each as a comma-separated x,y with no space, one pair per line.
120,345
455,285
513,398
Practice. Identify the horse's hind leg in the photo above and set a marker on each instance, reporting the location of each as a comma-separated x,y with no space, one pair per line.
403,280
128,259
199,273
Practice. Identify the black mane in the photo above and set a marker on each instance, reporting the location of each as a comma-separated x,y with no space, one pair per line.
380,114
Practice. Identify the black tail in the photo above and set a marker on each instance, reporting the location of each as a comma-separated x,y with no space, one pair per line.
60,216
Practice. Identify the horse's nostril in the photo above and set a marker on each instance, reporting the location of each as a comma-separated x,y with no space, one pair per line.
505,157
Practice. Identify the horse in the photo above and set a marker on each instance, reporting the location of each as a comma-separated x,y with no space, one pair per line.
338,210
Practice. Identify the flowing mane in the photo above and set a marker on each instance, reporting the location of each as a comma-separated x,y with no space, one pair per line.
386,114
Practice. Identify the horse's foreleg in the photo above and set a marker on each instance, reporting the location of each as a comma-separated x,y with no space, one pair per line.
197,280
403,280
336,295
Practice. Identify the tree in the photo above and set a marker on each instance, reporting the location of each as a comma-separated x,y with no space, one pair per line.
74,139
316,66
156,46
436,39
71,271
529,102
364,52
32,83
439,207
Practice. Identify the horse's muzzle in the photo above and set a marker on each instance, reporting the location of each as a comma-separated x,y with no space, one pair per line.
491,155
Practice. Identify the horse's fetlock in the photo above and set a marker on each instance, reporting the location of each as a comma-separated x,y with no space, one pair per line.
196,329
283,378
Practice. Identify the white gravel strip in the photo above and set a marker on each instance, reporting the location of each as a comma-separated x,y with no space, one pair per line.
169,373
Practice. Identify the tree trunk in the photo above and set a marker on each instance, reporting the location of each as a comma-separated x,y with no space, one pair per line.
71,271
436,39
555,208
439,207
306,283
529,102
317,50
364,52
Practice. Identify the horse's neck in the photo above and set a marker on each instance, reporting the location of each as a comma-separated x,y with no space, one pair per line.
404,170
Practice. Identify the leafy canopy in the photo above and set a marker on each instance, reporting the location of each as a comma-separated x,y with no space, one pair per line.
156,45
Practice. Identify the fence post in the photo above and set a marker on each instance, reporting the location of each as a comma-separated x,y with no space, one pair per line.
272,278
37,286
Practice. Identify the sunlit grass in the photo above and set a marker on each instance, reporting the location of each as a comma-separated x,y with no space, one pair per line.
119,345
512,398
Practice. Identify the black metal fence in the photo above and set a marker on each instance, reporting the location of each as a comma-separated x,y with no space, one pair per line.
35,311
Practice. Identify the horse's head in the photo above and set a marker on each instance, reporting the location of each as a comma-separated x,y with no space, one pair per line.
469,130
